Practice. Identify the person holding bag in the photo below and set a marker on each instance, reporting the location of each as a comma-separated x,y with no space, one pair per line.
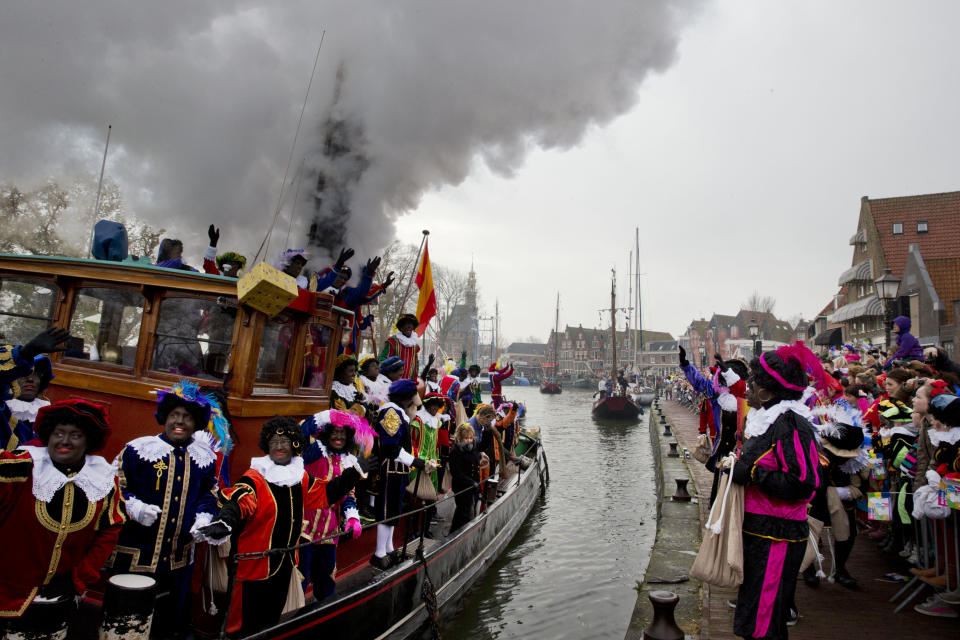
779,469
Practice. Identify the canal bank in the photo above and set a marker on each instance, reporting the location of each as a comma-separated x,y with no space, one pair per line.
677,540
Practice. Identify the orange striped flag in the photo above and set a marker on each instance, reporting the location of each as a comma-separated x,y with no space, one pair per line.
427,302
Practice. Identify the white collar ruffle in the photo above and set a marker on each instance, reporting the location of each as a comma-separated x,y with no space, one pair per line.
346,391
854,465
412,341
727,401
26,411
901,429
95,479
431,421
202,448
282,475
949,436
759,420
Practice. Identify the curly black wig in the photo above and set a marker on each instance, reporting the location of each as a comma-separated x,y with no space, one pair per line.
171,402
791,371
285,426
96,436
324,437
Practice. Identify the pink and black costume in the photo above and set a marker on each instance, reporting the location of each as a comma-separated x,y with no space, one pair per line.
779,466
497,376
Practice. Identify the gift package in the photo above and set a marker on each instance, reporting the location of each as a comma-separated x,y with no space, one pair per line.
266,289
879,507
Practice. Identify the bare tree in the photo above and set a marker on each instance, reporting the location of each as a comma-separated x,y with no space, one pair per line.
401,259
758,303
450,287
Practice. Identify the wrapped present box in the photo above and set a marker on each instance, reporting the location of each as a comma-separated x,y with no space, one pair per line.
266,289
879,507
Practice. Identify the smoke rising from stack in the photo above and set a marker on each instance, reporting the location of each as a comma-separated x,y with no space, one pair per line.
203,98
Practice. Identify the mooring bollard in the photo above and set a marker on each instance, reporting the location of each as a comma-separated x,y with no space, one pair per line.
128,607
673,450
681,495
666,430
663,420
42,620
664,625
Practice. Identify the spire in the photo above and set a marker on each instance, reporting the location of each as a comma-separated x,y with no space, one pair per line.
470,297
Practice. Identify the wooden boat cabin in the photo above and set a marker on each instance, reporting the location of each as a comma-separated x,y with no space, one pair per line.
137,328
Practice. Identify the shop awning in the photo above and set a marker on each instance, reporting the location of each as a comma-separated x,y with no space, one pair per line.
869,307
860,237
861,272
830,338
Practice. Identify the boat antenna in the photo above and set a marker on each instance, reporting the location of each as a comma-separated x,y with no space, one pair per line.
96,206
266,240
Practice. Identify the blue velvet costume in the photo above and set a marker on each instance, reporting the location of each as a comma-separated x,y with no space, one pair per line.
393,441
13,432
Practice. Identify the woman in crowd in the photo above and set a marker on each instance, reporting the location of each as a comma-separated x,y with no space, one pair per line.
779,466
465,460
264,510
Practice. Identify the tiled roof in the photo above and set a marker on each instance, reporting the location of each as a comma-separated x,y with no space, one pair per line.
945,275
941,212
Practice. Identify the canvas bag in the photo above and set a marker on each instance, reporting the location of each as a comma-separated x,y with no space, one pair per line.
720,559
447,483
295,597
423,489
703,449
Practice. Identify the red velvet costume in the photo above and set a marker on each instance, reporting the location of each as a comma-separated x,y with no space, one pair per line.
393,347
70,529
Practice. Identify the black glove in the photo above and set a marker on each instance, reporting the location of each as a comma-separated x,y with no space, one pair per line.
45,342
431,359
214,234
215,531
369,463
372,265
418,463
719,361
463,355
683,357
345,254
387,282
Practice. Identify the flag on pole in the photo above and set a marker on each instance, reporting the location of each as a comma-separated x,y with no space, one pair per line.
427,301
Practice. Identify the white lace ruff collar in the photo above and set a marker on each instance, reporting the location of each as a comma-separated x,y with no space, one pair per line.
95,479
854,465
347,460
431,421
901,429
759,420
26,411
469,380
944,437
285,475
202,448
412,341
382,379
345,391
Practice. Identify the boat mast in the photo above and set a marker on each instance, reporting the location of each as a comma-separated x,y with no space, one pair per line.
613,324
556,341
639,316
631,335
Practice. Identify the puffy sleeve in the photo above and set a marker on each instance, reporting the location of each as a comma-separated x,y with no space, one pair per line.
319,494
237,503
109,524
698,382
789,468
15,469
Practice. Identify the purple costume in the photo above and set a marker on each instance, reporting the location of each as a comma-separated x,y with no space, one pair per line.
908,347
779,467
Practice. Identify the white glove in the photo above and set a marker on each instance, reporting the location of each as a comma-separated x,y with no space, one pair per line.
202,520
727,462
444,417
145,514
933,478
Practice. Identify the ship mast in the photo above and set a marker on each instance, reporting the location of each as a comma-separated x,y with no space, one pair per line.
556,342
613,323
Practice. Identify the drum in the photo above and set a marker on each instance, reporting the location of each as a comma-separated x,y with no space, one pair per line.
128,607
43,619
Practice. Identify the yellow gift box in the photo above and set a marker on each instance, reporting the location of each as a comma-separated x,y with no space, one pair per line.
266,289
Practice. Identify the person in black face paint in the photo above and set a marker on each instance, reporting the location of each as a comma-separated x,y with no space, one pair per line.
465,473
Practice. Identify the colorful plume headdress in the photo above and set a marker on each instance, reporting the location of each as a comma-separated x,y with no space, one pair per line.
363,433
216,422
811,365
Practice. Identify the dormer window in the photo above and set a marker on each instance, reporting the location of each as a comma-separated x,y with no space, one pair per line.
922,226
898,228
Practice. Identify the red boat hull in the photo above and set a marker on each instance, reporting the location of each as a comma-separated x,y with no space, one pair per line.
616,408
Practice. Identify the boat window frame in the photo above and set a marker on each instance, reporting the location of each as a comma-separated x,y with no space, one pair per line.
156,297
54,282
68,300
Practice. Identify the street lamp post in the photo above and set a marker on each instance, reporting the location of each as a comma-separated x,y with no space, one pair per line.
887,287
754,330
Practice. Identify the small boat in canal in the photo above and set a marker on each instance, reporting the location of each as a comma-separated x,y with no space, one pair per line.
613,406
549,385
643,396
130,339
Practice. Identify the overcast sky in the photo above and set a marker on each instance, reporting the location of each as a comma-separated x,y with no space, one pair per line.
531,138
743,165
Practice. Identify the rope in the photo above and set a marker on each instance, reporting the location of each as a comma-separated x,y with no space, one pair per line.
428,593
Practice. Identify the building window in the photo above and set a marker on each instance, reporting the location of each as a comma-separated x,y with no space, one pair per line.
898,228
921,226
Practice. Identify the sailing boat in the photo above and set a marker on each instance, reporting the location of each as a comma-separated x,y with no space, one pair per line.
550,385
612,405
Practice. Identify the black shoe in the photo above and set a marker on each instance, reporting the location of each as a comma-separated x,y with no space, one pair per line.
382,563
845,580
396,557
811,578
794,617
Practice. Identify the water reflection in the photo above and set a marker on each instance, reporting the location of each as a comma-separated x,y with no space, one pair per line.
571,569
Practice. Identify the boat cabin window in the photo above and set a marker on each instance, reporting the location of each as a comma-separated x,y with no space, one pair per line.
315,356
26,308
275,343
194,336
107,319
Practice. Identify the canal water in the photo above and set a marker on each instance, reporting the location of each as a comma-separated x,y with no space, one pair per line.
570,571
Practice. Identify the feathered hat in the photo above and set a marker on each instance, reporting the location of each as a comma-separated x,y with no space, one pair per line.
434,397
187,394
407,317
840,429
89,416
359,432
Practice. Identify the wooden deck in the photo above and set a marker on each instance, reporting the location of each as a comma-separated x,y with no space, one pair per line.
829,611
